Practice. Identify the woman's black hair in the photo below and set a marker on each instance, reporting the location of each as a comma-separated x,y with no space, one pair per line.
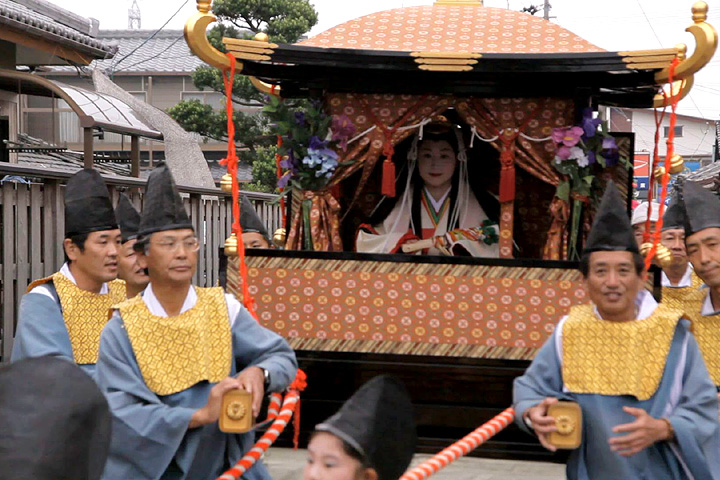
488,202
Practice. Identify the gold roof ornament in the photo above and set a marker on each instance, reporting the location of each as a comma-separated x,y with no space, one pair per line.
706,40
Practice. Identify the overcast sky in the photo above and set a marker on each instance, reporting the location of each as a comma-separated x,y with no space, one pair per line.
611,24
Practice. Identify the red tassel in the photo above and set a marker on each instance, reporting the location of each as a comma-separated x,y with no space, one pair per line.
507,174
507,184
388,178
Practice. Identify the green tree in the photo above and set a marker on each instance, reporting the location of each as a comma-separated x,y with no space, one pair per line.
284,21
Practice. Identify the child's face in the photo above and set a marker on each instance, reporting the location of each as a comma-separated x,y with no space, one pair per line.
327,460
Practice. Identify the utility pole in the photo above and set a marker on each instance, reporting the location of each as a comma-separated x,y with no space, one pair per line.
546,10
134,16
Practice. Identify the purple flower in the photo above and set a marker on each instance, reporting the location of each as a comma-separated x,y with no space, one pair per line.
609,143
286,163
591,157
300,118
563,153
342,129
317,144
610,151
589,124
283,181
569,137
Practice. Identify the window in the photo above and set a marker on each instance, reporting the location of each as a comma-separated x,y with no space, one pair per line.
678,131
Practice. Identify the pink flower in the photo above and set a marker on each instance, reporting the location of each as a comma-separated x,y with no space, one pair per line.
563,153
569,137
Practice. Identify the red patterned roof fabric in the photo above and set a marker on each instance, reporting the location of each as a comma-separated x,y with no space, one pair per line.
452,28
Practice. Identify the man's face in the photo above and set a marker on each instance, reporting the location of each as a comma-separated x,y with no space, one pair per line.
171,256
703,250
254,240
99,258
613,283
128,268
639,231
674,240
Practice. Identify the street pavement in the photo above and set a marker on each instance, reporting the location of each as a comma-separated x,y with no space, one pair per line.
287,464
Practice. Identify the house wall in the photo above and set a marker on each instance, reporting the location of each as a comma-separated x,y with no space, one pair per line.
697,140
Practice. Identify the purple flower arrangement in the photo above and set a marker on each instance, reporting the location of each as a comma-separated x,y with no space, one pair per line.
311,140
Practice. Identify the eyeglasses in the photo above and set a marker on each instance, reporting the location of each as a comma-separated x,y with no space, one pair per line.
190,245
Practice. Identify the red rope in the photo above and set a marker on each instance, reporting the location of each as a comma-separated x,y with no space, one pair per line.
281,419
462,447
278,159
668,163
232,163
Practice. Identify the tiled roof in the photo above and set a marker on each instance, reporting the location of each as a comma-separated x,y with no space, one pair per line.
452,28
244,171
165,52
61,161
63,27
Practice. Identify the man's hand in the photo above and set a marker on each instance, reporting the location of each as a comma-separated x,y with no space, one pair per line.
640,434
542,423
211,411
252,380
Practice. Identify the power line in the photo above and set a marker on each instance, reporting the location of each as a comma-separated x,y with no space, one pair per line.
154,56
115,64
648,22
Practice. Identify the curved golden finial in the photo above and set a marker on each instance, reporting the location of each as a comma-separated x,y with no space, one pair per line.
264,87
678,90
706,40
196,37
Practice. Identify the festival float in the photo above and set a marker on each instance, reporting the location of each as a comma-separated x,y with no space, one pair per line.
350,106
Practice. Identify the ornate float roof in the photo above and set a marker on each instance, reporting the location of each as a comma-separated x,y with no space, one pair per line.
452,28
461,48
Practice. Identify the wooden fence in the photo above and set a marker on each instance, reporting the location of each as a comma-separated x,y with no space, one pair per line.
32,223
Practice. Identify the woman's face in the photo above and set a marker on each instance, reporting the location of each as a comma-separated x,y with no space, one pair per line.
436,161
327,460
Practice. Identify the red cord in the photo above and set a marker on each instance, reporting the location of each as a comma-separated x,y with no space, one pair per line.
232,163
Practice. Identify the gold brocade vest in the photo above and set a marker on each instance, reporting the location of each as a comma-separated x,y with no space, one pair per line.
681,297
707,333
85,313
175,353
611,358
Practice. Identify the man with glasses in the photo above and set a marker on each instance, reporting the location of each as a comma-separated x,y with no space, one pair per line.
168,356
64,314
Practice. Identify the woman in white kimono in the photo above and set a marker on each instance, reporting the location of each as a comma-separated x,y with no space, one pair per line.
437,209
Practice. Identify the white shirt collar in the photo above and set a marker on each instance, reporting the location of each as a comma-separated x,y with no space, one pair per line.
685,281
437,203
65,270
707,306
153,304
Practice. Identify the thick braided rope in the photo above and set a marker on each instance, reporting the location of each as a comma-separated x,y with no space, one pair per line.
282,418
461,447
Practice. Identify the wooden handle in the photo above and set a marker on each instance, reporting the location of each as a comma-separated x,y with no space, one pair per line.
417,246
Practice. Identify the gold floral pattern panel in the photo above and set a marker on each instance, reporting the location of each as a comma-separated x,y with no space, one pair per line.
410,308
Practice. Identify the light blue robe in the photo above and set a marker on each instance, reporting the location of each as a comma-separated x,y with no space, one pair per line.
151,438
694,417
41,329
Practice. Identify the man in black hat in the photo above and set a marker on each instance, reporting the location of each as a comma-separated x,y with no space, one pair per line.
649,407
168,356
372,437
55,422
65,313
254,233
128,269
679,281
702,240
